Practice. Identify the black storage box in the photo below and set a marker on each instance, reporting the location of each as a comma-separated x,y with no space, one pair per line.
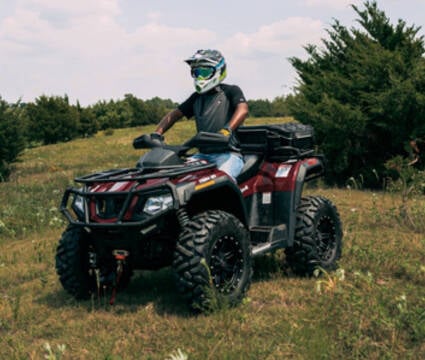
279,141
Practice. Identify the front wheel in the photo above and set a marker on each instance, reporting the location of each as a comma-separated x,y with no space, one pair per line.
318,237
72,263
213,258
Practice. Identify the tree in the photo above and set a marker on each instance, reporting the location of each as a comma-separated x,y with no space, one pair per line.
52,120
88,124
279,107
157,108
364,92
101,113
139,111
11,136
259,108
130,111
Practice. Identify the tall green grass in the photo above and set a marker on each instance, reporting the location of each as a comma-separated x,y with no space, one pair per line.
373,307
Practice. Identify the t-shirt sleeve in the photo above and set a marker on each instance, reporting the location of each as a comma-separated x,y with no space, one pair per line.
186,107
235,95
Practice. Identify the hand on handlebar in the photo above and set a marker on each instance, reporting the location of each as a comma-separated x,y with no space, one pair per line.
228,135
227,132
156,137
146,141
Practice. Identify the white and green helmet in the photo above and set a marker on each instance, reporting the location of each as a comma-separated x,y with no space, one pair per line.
208,69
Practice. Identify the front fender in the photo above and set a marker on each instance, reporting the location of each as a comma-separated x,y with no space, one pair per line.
219,193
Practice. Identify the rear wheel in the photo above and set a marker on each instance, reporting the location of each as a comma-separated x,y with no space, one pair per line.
318,237
213,258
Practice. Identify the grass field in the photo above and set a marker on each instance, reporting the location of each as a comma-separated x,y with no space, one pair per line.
372,307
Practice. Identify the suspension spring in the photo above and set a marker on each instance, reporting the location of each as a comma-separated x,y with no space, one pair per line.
182,217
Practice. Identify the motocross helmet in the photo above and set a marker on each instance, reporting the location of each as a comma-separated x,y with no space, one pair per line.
208,69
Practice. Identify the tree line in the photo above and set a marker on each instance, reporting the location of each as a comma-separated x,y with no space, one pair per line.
52,119
363,90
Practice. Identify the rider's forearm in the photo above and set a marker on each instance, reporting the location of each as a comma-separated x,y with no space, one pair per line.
168,121
239,116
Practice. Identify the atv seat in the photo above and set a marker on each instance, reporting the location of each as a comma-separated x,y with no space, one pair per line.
252,163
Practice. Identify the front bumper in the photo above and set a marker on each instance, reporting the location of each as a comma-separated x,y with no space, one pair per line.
115,209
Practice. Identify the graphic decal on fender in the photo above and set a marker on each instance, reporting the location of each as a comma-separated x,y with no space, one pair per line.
204,185
283,170
207,178
206,181
117,186
245,188
267,198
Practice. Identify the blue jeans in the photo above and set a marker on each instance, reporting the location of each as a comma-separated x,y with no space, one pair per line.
230,163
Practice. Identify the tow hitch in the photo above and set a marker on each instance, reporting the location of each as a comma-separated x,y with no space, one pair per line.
120,256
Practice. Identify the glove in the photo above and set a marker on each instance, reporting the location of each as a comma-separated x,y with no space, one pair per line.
232,142
227,132
157,139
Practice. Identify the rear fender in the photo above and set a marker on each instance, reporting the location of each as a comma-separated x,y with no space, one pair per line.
310,169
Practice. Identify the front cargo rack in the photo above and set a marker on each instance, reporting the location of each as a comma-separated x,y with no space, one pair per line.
141,174
124,198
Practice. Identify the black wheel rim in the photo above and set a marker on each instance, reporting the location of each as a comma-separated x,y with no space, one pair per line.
226,264
326,239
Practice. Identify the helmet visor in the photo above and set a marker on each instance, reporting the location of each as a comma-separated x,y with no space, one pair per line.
203,72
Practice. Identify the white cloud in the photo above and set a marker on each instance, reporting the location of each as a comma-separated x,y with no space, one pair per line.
93,54
82,48
280,37
36,29
261,57
154,16
74,7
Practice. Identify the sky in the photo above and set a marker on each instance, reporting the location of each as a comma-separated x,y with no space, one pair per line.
92,50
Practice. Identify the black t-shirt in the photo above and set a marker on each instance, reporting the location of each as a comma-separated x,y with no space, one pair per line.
233,93
213,110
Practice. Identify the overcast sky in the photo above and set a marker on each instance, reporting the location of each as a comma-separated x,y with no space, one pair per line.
95,50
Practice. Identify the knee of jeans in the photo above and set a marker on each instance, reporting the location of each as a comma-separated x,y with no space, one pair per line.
232,166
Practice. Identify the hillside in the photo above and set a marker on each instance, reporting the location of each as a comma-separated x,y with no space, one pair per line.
373,307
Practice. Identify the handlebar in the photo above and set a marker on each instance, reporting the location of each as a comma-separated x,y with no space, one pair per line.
145,141
200,140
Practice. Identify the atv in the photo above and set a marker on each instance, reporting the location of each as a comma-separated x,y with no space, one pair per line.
171,211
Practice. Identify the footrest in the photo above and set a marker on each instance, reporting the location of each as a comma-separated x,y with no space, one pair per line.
277,238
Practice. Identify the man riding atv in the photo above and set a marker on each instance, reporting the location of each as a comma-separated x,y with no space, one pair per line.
208,215
217,107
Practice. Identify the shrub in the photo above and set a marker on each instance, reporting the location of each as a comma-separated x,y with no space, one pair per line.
11,136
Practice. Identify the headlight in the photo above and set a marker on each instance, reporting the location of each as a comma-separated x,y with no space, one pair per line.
156,204
78,205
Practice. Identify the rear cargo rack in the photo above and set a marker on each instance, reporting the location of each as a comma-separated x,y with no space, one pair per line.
279,142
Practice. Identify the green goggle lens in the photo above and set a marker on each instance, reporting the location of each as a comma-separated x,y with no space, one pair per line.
204,72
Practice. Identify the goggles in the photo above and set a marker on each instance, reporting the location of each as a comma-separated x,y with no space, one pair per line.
202,72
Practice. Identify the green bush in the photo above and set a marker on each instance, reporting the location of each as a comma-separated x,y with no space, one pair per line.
52,120
364,93
11,136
